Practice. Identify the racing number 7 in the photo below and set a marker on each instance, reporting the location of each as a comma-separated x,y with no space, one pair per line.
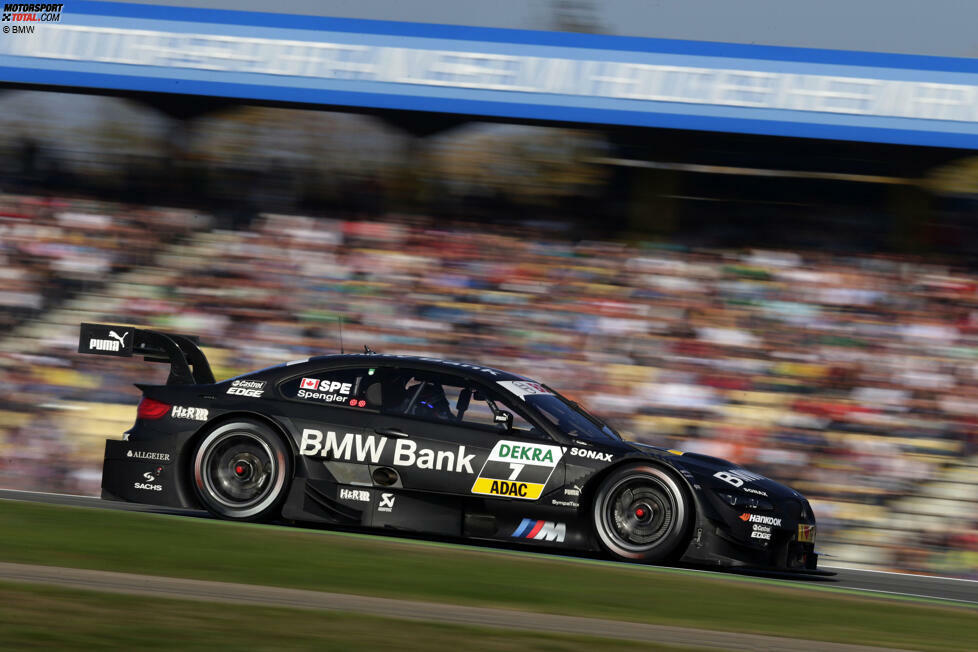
516,470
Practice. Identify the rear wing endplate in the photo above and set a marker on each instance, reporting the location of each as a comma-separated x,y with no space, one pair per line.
188,364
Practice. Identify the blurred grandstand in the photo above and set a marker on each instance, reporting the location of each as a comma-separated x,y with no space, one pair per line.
850,376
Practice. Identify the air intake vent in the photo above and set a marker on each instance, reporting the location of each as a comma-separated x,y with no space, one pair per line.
317,502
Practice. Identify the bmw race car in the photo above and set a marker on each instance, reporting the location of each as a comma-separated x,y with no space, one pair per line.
433,447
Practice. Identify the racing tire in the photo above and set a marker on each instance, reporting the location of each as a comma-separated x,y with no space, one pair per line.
241,471
642,513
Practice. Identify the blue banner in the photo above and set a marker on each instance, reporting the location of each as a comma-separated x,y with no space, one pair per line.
511,73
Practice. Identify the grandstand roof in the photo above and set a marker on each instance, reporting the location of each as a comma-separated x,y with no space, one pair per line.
503,73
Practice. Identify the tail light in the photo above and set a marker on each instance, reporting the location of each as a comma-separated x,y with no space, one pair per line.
150,409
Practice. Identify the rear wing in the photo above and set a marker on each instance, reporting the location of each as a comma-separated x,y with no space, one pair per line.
188,364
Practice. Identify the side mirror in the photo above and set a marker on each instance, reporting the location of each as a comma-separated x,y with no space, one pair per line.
504,419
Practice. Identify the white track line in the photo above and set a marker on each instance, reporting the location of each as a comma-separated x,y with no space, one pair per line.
883,572
49,493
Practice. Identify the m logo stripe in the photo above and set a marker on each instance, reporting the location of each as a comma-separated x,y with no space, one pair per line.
523,527
536,530
530,528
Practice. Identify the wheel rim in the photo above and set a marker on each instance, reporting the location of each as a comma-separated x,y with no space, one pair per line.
640,513
238,470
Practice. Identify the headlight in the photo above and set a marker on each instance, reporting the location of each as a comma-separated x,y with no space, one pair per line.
742,501
806,510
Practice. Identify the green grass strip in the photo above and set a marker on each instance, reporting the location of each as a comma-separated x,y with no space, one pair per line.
68,619
292,557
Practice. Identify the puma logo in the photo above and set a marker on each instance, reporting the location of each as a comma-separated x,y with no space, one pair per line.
117,343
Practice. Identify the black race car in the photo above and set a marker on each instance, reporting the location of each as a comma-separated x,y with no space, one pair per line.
433,447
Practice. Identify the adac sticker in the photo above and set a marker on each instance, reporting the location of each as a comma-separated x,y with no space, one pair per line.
517,469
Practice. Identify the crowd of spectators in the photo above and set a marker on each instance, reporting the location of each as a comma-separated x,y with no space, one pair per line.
853,378
51,248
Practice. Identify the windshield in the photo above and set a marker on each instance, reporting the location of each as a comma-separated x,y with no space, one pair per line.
567,416
571,418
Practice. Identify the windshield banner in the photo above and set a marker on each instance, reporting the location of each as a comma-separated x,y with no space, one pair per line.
523,388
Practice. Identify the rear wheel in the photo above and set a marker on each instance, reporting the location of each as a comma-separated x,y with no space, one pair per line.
241,470
641,513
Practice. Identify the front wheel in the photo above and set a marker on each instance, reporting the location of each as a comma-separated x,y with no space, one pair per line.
241,470
641,513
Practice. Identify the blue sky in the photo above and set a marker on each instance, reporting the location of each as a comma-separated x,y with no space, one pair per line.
935,27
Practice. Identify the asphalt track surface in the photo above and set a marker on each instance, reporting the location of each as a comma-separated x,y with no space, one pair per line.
949,591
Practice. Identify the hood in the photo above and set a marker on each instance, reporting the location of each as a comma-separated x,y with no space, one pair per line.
719,474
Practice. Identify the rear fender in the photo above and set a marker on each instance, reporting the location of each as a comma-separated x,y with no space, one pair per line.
187,453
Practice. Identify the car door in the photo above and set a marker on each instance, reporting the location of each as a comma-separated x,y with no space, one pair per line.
328,407
447,439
